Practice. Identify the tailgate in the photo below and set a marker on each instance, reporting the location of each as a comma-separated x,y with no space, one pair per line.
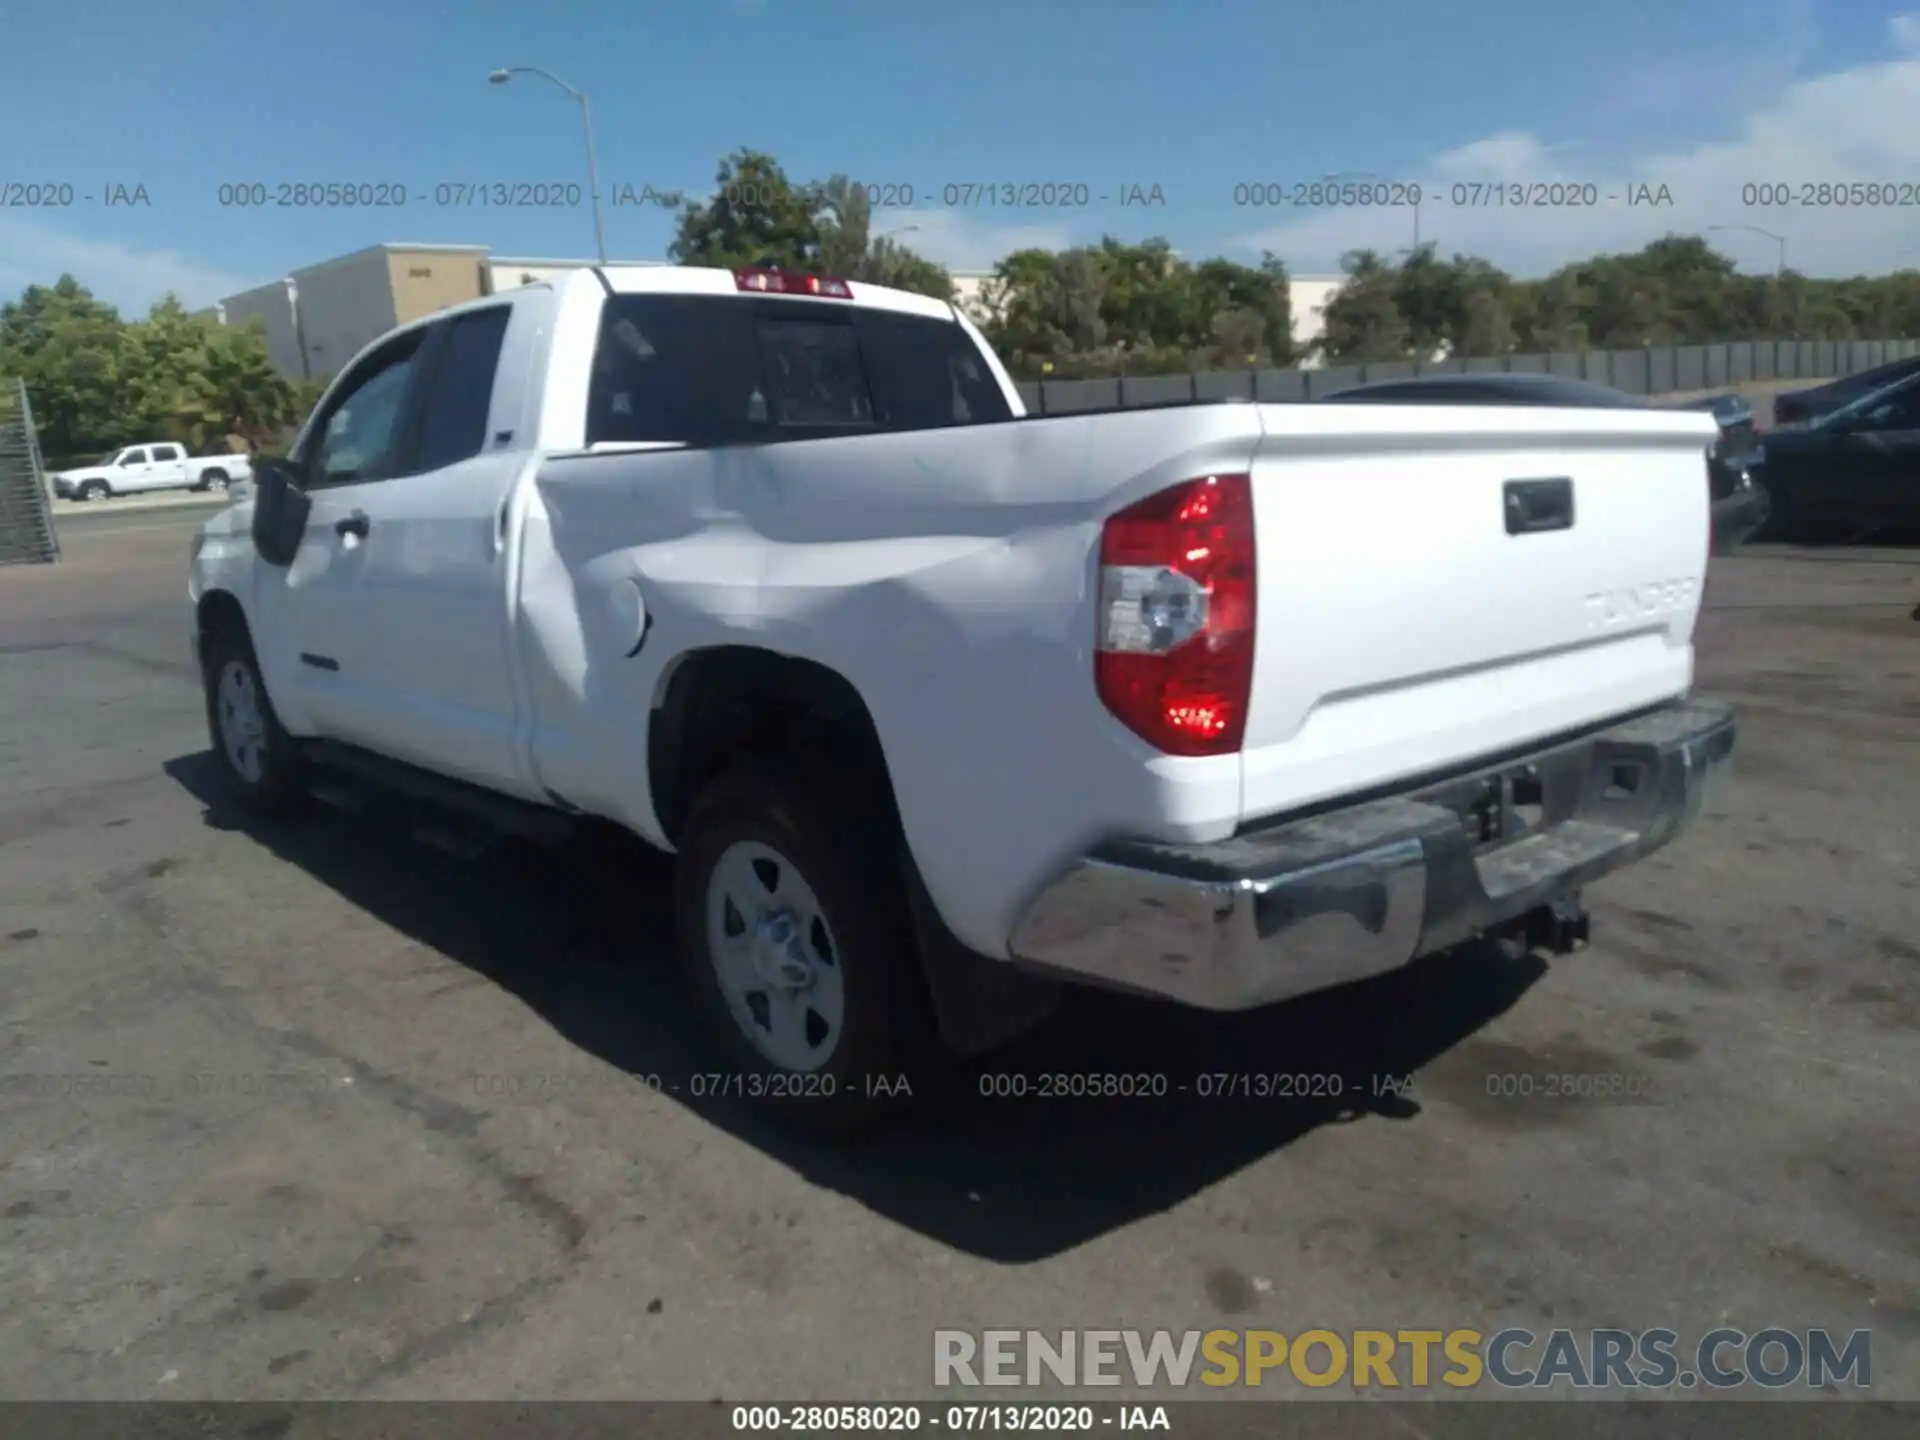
1402,627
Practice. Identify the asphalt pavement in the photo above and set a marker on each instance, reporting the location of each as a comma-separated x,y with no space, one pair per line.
309,1110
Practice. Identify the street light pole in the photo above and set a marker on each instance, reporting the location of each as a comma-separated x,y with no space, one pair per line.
501,77
1779,240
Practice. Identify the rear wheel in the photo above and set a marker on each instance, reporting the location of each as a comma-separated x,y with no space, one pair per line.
214,480
259,757
793,927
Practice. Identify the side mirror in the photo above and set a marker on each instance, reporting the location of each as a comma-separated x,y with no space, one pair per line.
280,509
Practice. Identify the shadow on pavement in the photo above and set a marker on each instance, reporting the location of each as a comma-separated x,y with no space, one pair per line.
581,934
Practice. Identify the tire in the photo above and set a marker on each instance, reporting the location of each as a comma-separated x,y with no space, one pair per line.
259,758
838,1048
213,480
94,490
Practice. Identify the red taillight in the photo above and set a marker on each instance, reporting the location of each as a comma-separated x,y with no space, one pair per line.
787,282
1173,659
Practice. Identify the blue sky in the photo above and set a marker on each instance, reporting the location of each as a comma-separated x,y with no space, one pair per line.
1194,96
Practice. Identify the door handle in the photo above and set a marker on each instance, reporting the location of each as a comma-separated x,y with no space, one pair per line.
1535,505
354,524
500,524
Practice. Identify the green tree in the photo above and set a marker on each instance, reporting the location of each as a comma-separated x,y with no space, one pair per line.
241,393
844,221
1225,288
166,382
1363,321
71,350
1048,306
1549,314
755,216
1116,308
1429,297
888,263
758,216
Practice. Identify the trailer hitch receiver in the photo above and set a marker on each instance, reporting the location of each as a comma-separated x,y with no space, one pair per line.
1560,926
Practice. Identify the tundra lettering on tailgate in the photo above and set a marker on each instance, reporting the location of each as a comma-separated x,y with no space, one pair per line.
1608,609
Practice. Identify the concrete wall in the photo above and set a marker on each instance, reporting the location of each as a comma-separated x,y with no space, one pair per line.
270,306
1659,370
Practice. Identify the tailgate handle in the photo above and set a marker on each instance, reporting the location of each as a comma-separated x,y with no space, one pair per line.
1536,505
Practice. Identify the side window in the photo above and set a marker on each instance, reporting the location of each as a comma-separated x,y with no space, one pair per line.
168,452
459,392
1902,411
134,457
356,435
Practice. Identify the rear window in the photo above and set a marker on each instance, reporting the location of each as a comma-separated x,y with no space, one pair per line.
713,370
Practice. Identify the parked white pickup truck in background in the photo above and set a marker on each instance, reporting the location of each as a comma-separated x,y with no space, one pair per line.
939,705
157,465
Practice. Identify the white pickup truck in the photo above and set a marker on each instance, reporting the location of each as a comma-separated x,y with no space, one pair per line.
156,465
939,705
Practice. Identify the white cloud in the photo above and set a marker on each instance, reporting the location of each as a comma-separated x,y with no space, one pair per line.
960,242
33,252
1512,155
1904,31
1850,126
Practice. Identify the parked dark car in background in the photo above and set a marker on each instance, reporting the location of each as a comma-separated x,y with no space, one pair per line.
1740,505
1851,473
1798,407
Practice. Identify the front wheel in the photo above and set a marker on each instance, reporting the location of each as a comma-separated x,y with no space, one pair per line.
793,927
94,490
258,756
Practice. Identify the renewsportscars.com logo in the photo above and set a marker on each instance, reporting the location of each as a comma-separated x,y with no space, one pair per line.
1511,1359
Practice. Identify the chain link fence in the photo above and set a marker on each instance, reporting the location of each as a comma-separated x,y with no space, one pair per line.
27,534
1656,370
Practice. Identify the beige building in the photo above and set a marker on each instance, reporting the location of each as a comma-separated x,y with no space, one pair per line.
318,318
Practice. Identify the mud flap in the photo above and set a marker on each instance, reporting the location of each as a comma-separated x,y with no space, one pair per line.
978,1003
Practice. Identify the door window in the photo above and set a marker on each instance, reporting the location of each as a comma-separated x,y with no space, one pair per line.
459,394
1897,412
167,452
133,457
356,437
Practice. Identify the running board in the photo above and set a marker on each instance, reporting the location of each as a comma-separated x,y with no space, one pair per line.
488,809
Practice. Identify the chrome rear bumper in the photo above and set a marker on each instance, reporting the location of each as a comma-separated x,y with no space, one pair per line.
1283,910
